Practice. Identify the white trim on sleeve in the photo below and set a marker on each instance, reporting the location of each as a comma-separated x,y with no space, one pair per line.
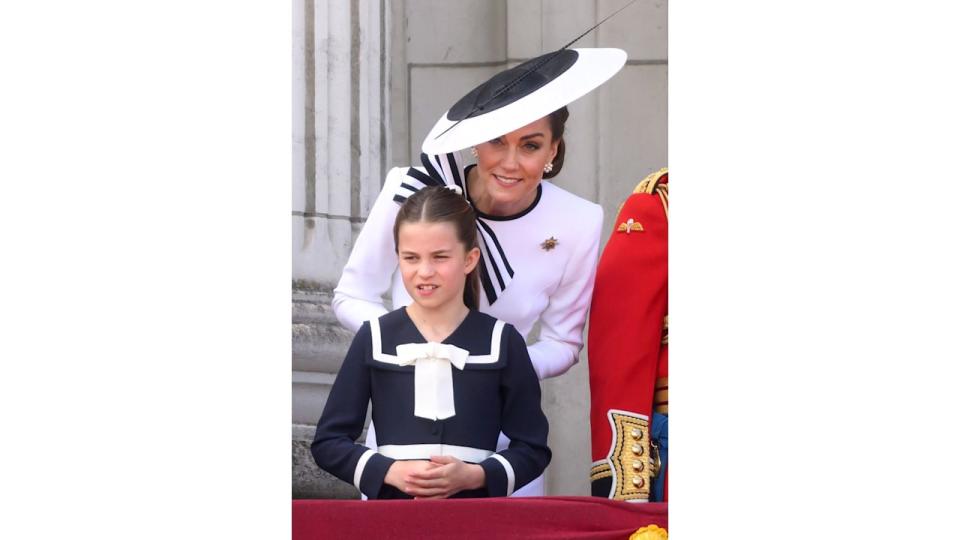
361,464
511,478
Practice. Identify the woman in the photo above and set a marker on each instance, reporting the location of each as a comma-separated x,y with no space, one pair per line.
539,243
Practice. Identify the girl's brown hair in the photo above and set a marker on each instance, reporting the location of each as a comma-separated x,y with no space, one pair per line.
437,204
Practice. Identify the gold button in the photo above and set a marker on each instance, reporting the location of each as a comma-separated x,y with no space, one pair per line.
636,449
637,480
637,465
636,433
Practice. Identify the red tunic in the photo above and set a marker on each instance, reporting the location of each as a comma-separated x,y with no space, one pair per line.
626,343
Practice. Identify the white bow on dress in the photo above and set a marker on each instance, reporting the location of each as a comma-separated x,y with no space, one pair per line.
433,377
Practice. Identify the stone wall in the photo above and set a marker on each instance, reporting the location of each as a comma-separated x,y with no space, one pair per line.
371,77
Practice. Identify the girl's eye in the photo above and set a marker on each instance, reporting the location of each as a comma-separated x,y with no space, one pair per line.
532,146
494,142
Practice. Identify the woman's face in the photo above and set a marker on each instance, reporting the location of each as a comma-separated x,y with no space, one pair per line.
434,263
510,167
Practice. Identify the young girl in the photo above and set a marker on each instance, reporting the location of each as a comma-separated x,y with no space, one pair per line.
444,379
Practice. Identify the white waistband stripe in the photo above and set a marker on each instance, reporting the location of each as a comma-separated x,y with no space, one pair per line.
424,451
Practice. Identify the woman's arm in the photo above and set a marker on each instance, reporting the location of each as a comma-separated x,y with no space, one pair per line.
369,270
561,323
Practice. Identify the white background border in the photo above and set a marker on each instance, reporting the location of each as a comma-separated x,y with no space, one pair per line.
144,207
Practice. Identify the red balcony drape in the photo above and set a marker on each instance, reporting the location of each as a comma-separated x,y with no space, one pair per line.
531,518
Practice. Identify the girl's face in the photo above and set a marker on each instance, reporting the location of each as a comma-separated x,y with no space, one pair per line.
433,263
511,166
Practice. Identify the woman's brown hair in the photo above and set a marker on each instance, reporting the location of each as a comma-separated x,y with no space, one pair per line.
437,204
558,120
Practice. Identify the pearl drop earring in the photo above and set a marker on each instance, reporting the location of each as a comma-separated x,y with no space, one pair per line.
548,167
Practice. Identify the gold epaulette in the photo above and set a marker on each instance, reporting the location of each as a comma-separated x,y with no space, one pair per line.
651,184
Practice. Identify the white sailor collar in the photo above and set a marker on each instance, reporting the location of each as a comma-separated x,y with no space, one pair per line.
479,334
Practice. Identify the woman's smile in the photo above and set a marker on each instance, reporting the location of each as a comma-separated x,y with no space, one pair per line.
509,169
506,180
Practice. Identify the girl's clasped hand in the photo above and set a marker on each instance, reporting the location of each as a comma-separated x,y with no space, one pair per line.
438,478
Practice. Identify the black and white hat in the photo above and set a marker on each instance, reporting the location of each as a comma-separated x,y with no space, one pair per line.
521,95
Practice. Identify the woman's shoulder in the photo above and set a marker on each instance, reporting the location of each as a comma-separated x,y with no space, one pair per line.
569,214
395,177
559,199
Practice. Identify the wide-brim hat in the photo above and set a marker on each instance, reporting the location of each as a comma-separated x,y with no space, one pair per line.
520,95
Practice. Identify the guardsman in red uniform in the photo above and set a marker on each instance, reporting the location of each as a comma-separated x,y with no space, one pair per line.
627,351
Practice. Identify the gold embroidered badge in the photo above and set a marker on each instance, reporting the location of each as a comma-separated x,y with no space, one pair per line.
630,225
549,243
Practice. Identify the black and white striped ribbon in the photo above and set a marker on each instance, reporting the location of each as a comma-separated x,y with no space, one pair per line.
447,169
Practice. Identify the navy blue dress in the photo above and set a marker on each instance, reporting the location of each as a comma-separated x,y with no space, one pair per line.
497,390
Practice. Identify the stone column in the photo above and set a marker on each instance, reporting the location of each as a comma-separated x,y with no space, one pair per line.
338,161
